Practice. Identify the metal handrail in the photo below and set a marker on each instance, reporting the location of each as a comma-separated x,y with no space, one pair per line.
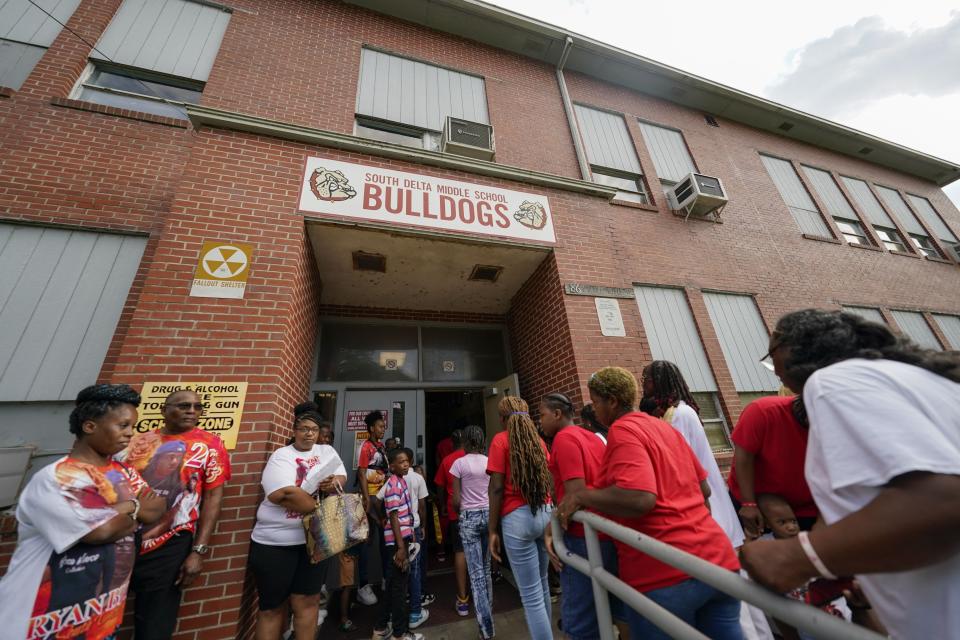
801,616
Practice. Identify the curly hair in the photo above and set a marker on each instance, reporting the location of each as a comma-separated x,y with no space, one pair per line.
669,387
528,461
373,418
615,382
96,400
817,339
474,439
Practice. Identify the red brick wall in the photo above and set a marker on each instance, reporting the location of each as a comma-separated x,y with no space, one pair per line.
298,62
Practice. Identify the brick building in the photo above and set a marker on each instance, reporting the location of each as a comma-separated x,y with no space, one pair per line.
445,257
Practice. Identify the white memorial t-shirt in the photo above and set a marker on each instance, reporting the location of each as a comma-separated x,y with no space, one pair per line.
870,422
687,422
58,586
290,467
417,487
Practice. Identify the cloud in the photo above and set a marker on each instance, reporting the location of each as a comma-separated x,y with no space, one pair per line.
869,61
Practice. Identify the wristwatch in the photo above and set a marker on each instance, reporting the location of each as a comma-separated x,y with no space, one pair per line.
201,549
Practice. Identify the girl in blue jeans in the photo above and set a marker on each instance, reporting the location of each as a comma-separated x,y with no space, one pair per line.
519,489
471,501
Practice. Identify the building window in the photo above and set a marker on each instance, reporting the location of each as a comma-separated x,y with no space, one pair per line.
925,246
867,313
672,335
853,231
801,206
397,134
138,90
669,153
891,239
837,206
26,33
629,187
407,102
936,223
155,57
950,326
918,235
914,326
611,153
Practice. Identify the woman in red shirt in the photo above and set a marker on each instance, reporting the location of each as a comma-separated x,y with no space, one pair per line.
519,492
654,483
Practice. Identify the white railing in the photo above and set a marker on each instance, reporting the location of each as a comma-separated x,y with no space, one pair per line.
801,616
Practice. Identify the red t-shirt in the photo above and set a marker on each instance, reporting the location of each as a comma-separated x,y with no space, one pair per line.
444,448
647,454
576,453
444,480
373,458
179,468
768,429
498,461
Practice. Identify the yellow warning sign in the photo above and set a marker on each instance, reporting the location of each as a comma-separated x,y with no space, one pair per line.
222,270
222,406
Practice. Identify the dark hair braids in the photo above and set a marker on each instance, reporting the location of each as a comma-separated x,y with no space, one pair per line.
96,400
312,416
589,419
817,339
305,407
474,439
559,402
669,387
528,461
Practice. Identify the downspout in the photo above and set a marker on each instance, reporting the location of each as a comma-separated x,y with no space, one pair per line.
568,109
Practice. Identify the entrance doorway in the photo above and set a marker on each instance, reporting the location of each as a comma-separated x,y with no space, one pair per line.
400,409
445,411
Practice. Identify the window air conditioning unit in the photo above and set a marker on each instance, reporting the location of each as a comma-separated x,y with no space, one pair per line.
699,196
465,138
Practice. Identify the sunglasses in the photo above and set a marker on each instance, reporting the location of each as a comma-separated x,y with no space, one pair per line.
186,406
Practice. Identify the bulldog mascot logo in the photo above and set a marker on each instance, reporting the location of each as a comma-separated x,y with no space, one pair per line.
331,186
532,215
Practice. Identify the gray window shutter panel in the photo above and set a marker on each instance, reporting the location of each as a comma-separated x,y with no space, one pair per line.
795,196
17,60
61,296
868,204
743,339
950,326
867,313
607,140
668,151
672,334
830,194
176,37
916,328
900,209
417,94
932,218
25,23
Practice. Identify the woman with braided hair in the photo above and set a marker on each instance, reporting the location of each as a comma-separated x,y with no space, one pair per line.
519,491
883,464
653,482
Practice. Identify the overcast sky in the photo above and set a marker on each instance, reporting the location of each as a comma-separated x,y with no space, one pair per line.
891,69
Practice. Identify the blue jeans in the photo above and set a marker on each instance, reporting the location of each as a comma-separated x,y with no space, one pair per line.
712,612
523,541
473,534
417,569
578,610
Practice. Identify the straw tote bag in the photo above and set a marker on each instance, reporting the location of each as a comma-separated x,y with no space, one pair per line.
337,523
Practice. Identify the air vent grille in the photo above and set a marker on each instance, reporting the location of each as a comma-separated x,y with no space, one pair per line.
363,261
472,133
485,273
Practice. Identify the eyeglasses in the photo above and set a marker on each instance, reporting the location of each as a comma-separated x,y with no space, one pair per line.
186,406
307,429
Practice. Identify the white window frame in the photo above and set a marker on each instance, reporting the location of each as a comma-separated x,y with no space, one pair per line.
395,133
637,194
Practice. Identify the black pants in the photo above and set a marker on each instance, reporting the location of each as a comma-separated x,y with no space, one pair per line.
394,603
158,598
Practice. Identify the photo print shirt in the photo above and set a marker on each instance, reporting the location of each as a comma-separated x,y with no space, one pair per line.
178,468
57,586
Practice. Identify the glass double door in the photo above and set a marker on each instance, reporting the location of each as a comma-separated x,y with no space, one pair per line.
401,410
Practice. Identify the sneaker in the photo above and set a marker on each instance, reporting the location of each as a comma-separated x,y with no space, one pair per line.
366,595
324,596
382,634
427,599
413,550
347,626
409,636
463,607
321,617
418,619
